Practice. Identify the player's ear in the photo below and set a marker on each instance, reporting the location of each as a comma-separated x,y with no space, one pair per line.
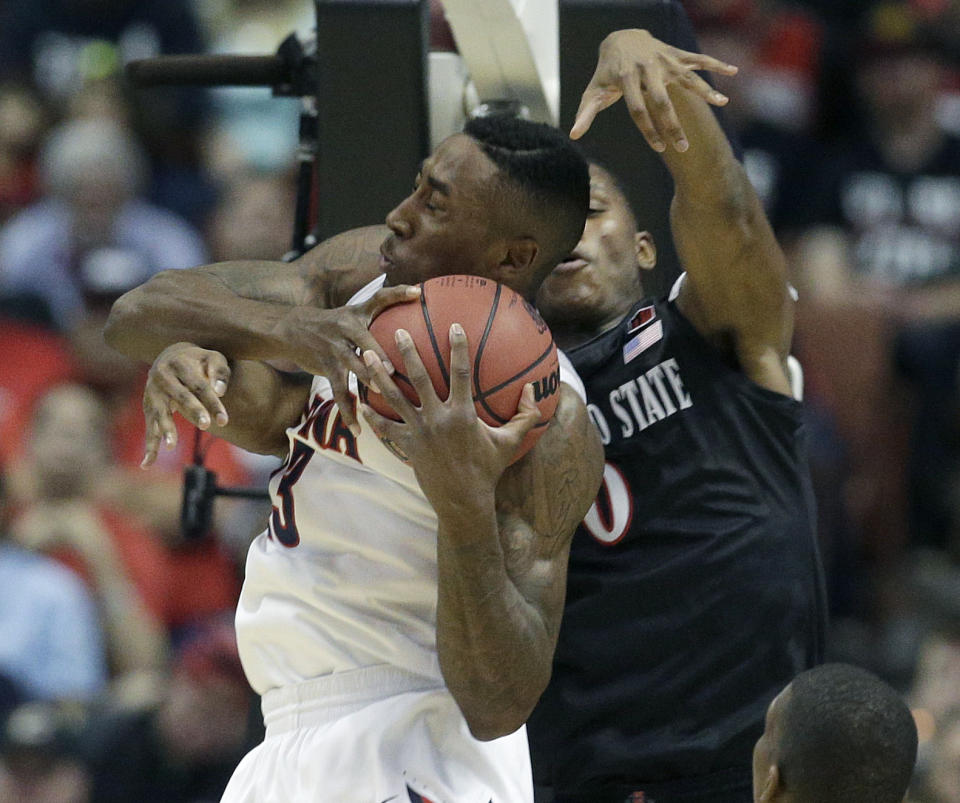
645,249
771,786
520,254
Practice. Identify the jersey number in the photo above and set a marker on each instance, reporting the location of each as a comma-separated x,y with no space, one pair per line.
283,520
609,517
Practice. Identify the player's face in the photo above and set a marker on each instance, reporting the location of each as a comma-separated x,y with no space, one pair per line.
764,751
600,280
444,225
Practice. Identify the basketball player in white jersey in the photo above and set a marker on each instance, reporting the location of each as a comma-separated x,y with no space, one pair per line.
399,619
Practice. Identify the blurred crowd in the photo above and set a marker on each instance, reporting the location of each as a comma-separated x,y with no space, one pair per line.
119,676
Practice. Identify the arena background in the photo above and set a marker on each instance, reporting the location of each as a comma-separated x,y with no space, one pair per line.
117,661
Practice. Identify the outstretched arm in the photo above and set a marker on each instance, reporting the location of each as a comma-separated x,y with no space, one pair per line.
503,532
736,290
266,310
240,307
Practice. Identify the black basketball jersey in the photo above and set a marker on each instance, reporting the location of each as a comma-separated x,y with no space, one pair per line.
695,591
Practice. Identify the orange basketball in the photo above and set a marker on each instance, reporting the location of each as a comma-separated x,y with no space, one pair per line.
509,344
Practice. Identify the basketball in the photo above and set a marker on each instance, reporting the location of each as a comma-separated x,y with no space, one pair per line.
509,346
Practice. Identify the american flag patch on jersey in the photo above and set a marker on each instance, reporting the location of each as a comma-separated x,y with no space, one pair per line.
641,318
635,346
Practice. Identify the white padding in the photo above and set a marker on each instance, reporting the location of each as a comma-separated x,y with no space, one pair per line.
511,48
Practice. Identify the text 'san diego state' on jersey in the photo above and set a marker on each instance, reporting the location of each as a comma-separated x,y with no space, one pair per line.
695,591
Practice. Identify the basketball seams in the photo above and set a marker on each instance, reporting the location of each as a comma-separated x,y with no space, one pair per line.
481,398
517,375
451,299
433,339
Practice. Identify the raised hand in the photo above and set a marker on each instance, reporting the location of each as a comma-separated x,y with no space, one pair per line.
634,65
449,447
326,342
186,379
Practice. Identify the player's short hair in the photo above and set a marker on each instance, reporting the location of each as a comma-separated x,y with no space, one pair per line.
848,737
548,170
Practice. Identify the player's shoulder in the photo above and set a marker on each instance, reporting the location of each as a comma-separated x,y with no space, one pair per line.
335,269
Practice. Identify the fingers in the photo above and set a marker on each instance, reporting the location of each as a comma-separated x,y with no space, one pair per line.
637,105
218,375
186,385
389,432
664,115
160,428
356,337
594,101
339,385
695,84
388,388
414,370
526,418
461,387
388,296
700,61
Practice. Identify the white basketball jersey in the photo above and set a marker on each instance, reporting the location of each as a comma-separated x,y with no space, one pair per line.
345,576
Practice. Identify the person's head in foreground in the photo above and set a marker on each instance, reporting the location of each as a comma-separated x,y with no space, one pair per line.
835,734
506,199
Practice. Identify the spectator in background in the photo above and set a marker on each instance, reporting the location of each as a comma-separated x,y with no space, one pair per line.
39,761
939,780
23,120
253,218
184,748
878,264
52,647
60,515
771,96
92,225
65,46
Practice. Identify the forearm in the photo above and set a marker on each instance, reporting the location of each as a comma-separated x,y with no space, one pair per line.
495,649
198,306
708,173
238,308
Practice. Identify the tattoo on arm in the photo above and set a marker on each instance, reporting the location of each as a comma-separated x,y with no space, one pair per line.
335,269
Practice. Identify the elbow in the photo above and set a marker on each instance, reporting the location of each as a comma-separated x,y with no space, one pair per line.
485,727
488,720
124,318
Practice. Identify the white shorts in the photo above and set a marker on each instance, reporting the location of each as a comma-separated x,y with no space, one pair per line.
374,735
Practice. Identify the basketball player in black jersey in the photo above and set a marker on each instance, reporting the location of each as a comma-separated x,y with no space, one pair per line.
695,589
